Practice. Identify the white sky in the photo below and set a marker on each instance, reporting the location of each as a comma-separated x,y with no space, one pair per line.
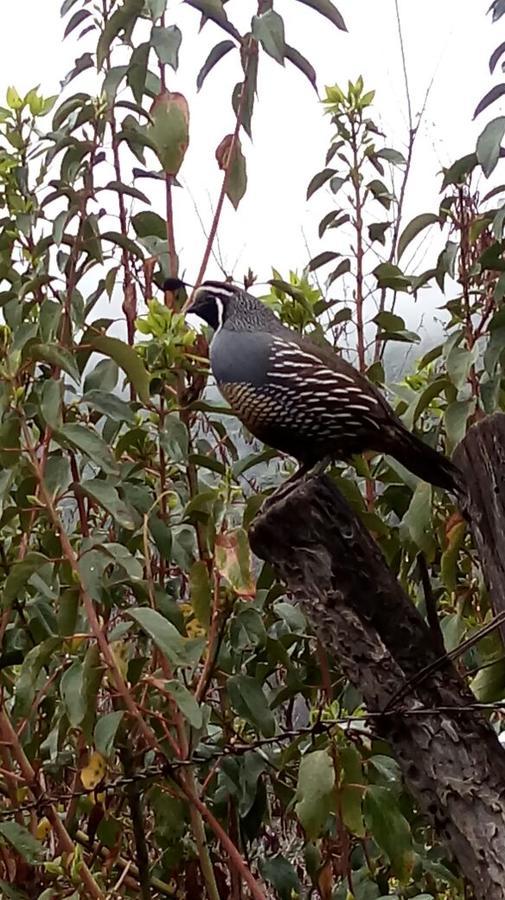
448,40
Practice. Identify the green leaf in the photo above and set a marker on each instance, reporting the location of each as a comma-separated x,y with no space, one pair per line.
391,276
55,356
174,439
336,183
455,420
380,192
10,430
237,179
448,562
377,231
169,133
268,29
494,94
148,223
110,405
22,841
301,63
72,693
103,377
51,402
156,8
322,259
162,535
418,224
418,519
121,20
488,686
166,42
327,9
93,672
315,792
127,359
281,874
388,770
137,71
107,496
351,792
214,10
233,561
343,267
19,575
389,322
318,180
236,183
249,701
89,442
459,362
112,80
389,828
200,592
13,99
489,145
105,732
186,702
28,674
121,240
178,650
213,58
432,390
460,170
126,189
392,156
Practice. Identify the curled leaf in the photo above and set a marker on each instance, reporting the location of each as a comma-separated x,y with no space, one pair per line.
213,58
233,561
236,182
169,132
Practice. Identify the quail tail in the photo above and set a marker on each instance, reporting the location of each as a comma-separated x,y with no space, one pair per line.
426,463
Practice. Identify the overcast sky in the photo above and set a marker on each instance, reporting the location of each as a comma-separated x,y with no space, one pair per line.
447,41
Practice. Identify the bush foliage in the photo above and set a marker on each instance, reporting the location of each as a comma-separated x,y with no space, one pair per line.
170,726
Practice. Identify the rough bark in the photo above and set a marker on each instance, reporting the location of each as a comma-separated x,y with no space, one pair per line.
452,761
481,457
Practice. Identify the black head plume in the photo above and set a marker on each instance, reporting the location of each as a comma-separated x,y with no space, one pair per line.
175,284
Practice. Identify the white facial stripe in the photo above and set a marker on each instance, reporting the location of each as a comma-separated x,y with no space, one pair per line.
219,289
220,313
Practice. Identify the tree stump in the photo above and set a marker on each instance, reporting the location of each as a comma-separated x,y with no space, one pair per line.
451,759
481,458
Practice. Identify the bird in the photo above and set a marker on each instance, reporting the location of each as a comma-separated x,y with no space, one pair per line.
301,398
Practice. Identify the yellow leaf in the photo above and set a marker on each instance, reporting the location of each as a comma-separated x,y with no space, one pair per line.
43,828
93,773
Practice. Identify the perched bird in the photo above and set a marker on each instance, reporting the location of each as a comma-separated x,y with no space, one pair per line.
299,397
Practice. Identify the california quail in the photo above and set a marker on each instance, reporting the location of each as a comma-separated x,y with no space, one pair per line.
301,398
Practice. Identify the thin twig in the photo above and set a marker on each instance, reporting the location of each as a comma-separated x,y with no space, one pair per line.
226,176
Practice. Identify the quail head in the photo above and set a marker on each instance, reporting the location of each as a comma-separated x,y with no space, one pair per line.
301,398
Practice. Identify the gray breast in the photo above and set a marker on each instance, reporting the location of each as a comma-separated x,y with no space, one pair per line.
240,357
